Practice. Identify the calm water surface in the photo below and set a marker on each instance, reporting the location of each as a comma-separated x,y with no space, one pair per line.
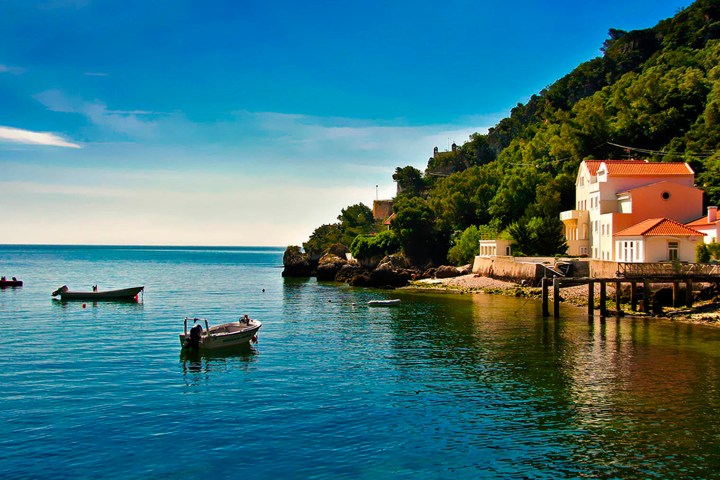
439,387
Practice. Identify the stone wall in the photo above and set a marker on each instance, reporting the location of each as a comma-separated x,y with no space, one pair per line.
603,268
532,268
506,268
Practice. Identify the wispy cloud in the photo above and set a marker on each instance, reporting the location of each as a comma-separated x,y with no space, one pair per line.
120,121
96,74
16,135
12,70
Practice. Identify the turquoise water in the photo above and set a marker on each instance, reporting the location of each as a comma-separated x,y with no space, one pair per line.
442,386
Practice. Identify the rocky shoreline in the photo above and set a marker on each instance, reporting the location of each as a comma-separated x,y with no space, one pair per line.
396,271
706,311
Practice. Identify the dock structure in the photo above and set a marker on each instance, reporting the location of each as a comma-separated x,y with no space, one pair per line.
647,290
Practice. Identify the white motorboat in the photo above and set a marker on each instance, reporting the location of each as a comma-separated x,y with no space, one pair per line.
224,335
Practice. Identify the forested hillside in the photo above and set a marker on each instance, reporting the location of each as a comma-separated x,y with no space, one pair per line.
653,94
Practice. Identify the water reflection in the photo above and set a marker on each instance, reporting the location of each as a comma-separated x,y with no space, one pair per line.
120,305
611,398
199,367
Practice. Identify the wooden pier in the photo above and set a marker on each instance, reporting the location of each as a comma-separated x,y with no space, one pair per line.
647,289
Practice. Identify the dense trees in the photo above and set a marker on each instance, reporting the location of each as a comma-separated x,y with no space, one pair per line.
653,94
353,221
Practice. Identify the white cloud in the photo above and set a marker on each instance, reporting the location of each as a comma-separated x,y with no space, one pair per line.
16,135
120,121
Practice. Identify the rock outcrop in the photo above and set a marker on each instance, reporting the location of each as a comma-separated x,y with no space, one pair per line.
296,263
328,266
392,271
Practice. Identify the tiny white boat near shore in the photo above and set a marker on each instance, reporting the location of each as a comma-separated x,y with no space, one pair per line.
220,336
384,303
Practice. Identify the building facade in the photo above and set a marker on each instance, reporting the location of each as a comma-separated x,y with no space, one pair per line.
614,195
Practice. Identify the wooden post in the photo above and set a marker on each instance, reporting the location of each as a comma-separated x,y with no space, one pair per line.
556,297
633,296
676,294
545,306
603,299
689,293
591,299
618,297
646,296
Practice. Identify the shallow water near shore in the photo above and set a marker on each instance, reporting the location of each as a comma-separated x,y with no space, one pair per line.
440,386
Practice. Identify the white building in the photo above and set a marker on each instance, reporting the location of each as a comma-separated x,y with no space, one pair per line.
614,195
709,225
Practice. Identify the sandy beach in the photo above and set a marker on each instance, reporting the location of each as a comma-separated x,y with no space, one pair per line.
704,311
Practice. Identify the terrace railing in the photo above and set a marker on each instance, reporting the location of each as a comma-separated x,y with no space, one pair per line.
668,269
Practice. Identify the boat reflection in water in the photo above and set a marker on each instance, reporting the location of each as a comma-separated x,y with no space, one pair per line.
200,366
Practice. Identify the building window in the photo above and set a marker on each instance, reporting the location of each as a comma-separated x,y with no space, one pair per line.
673,251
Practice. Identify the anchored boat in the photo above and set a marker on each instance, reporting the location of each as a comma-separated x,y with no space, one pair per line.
224,335
14,282
123,294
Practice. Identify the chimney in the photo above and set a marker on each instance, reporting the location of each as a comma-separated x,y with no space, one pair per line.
712,214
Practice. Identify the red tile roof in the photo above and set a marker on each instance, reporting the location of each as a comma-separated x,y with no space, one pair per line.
633,168
701,222
658,227
593,165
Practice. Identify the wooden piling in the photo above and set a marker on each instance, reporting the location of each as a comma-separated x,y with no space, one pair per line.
676,295
647,293
689,293
556,297
603,299
591,299
545,306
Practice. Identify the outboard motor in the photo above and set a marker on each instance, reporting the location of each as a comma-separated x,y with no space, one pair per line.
193,340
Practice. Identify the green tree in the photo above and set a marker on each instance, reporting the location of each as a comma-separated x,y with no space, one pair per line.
414,226
538,236
465,247
355,220
321,238
702,253
409,180
368,246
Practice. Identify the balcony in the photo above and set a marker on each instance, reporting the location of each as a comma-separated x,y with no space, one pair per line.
575,216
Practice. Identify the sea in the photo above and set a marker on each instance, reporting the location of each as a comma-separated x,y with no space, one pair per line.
440,386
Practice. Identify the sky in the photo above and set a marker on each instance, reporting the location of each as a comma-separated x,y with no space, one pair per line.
236,122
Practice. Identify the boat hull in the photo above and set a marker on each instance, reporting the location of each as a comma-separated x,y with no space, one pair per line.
124,294
226,335
10,283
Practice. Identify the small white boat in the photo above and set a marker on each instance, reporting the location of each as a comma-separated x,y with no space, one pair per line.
224,335
384,303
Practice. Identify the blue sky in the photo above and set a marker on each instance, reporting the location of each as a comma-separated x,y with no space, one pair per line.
254,122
